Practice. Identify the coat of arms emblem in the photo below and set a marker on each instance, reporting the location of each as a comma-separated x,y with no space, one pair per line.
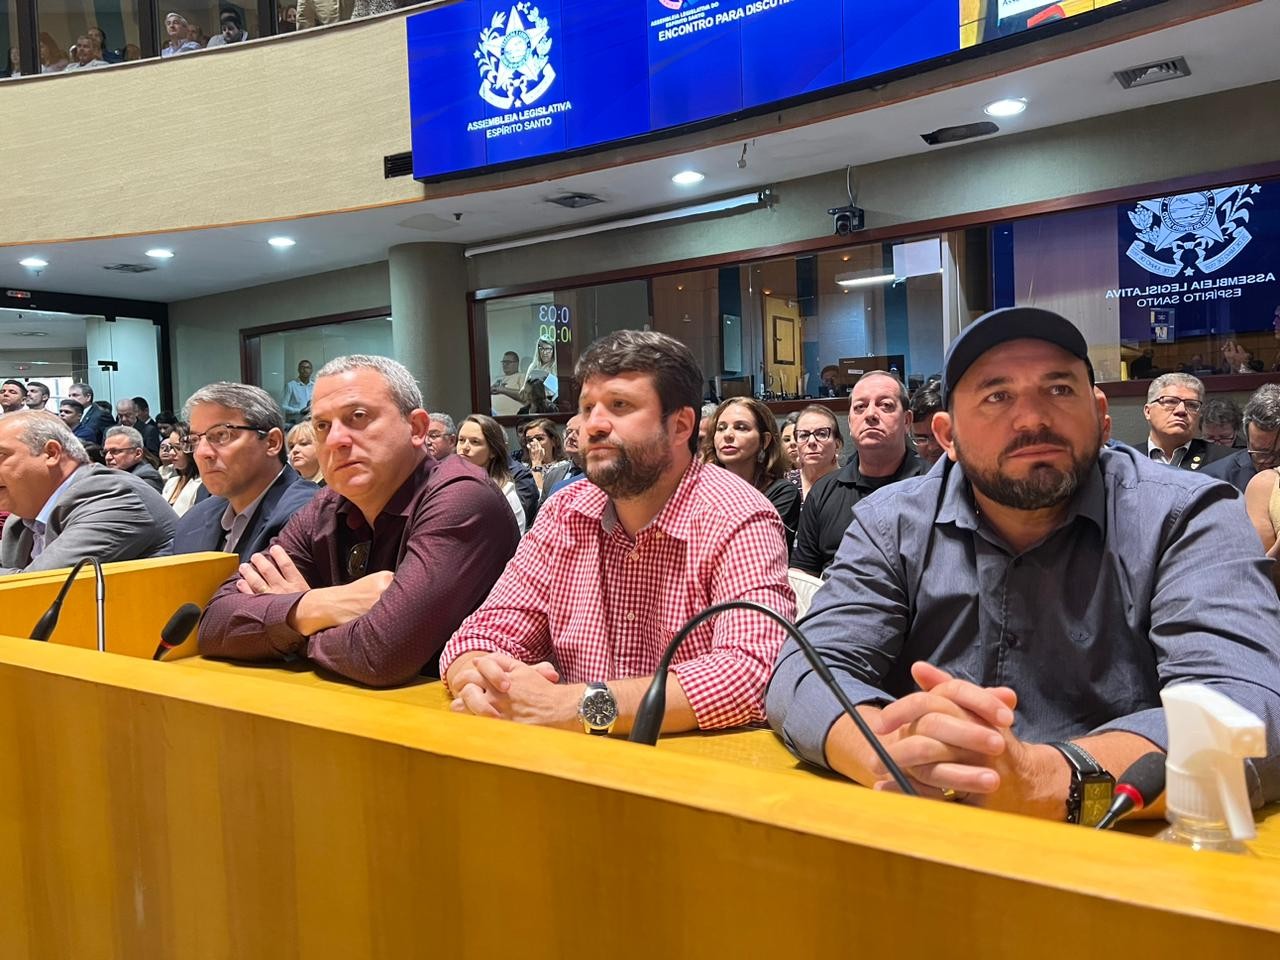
512,57
1210,225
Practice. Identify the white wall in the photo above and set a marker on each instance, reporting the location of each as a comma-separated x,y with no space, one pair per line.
134,345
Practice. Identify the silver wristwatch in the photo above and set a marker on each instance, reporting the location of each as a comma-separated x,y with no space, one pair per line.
598,710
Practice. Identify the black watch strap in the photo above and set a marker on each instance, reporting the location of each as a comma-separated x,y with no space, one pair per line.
1091,785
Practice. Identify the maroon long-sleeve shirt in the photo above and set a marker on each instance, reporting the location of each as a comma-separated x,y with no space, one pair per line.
447,533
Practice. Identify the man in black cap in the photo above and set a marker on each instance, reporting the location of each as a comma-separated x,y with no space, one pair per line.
1006,622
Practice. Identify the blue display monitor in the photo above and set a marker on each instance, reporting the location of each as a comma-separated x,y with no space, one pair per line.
501,82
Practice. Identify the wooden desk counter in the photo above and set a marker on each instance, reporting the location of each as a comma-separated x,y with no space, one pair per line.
196,810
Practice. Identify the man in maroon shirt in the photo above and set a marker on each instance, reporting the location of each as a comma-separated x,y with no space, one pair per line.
370,579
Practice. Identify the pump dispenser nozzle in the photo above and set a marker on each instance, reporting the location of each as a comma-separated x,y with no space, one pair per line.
1206,797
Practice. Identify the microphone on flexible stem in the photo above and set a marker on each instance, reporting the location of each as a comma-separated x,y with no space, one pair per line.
44,627
177,629
648,721
1138,787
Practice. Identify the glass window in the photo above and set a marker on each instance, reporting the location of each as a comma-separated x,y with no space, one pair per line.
1186,282
272,359
9,39
788,329
75,35
211,23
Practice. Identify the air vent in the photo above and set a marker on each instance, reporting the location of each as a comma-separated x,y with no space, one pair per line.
29,333
575,200
1150,73
966,131
397,165
129,267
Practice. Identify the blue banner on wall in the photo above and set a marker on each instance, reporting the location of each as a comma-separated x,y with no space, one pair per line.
1201,263
499,81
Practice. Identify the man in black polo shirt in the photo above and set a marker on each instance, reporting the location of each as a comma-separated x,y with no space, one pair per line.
879,423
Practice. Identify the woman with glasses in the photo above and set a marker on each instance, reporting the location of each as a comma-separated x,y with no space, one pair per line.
183,484
300,442
818,444
745,441
482,440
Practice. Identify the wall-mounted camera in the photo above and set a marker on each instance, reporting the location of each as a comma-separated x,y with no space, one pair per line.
847,219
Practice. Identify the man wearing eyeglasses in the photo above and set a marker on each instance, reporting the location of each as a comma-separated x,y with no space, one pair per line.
237,440
1261,424
1173,408
122,450
370,578
879,423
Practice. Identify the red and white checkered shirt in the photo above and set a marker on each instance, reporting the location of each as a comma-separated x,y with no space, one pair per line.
600,605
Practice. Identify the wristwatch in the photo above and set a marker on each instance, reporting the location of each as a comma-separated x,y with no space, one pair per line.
1091,785
598,710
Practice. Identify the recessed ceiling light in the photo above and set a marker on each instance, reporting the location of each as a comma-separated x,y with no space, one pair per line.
687,178
34,263
1008,107
160,253
282,243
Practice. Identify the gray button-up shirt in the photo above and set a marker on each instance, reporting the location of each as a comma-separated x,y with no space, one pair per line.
1156,577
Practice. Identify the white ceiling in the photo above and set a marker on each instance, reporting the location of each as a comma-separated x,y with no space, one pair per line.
1224,52
54,331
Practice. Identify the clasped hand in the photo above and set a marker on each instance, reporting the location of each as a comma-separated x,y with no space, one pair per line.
497,685
954,735
274,572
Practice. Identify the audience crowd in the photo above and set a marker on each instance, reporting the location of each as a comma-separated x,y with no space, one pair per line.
985,551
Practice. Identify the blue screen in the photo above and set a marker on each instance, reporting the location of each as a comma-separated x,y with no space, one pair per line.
502,81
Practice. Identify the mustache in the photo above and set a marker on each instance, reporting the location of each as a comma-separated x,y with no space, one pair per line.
1042,438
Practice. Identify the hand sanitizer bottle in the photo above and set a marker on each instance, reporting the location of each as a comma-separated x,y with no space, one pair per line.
1207,800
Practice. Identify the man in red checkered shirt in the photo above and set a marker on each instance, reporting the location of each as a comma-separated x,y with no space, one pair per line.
572,632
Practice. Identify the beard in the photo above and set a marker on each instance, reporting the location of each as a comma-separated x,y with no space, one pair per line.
635,468
1044,486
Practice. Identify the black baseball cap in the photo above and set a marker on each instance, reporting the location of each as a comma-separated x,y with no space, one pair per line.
1000,326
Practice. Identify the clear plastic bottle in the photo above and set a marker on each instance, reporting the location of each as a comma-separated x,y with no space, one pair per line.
1207,799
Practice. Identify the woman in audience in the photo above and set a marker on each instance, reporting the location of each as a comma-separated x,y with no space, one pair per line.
301,444
535,397
168,454
789,451
818,443
14,66
181,488
542,447
482,440
745,440
543,368
52,57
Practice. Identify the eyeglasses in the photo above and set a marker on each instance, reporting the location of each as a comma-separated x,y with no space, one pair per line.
113,452
168,447
218,436
1265,456
1171,403
822,435
358,560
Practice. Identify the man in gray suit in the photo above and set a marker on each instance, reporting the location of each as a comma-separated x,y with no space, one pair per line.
64,508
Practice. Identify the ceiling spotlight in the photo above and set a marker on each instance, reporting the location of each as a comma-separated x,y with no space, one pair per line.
687,178
33,263
1009,107
160,253
282,243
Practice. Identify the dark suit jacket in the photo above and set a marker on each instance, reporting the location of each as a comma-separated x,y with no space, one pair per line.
1237,469
98,420
148,474
1201,453
200,528
106,513
150,436
526,489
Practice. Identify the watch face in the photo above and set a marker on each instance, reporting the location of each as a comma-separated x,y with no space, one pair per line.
1095,799
599,709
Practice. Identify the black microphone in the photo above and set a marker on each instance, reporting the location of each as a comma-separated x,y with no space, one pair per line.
1139,786
648,721
176,631
44,627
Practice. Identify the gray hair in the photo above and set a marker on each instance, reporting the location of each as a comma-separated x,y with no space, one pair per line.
709,410
1160,383
1263,408
130,434
400,383
450,428
259,408
38,427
